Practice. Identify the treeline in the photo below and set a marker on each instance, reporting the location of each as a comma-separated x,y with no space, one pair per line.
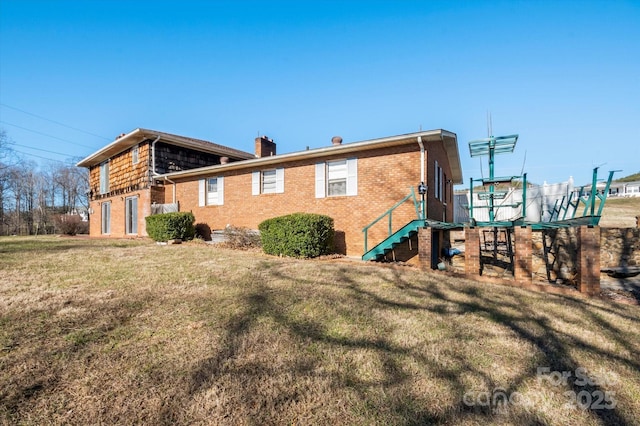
40,199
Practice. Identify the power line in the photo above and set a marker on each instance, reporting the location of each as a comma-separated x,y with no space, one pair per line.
53,121
45,134
38,149
39,156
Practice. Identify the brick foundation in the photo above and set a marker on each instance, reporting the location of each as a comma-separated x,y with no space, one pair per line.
472,251
425,236
523,256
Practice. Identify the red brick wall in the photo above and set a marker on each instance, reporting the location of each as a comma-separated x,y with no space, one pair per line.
435,207
523,260
425,236
472,251
384,177
118,214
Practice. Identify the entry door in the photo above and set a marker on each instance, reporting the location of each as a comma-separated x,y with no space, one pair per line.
106,218
131,215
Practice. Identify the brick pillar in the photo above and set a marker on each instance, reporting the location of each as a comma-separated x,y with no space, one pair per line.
523,255
424,247
472,251
588,262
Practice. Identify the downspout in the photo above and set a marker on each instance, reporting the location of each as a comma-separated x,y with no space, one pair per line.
153,168
153,157
423,178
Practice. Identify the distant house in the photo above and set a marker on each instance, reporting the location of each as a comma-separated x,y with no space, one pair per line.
354,183
616,189
625,189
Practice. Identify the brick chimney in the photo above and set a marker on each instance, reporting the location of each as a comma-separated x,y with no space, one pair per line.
265,147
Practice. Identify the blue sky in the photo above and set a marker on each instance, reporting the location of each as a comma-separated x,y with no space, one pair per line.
564,75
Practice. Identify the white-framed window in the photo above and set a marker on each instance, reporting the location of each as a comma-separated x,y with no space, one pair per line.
131,215
135,154
267,181
211,191
106,218
268,184
337,178
104,177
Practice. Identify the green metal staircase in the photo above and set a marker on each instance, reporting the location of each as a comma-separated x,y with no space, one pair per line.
393,238
398,237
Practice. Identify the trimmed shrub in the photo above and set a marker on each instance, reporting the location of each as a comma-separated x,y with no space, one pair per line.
171,226
297,235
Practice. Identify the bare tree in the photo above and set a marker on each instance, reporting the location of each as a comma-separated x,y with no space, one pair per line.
6,155
30,198
72,183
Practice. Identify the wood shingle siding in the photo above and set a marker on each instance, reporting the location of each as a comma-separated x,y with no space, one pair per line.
123,175
171,158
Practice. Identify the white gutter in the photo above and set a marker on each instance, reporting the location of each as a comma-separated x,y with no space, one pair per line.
314,153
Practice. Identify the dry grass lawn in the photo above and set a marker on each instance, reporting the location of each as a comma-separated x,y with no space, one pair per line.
128,332
620,212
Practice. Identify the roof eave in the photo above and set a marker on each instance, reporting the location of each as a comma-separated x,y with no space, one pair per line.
450,141
113,148
433,135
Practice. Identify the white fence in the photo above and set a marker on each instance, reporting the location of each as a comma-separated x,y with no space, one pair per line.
540,202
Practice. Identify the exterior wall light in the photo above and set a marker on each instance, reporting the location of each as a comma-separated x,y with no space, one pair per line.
422,190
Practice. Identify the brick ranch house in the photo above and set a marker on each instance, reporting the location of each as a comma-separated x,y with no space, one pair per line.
354,183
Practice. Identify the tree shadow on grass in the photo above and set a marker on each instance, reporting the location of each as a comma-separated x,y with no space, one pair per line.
349,299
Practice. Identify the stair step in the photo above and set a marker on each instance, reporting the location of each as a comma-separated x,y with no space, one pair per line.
400,236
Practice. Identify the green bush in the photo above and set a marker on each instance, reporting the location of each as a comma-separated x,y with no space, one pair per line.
171,226
297,235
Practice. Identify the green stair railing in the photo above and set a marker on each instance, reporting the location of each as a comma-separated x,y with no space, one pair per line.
390,242
389,215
